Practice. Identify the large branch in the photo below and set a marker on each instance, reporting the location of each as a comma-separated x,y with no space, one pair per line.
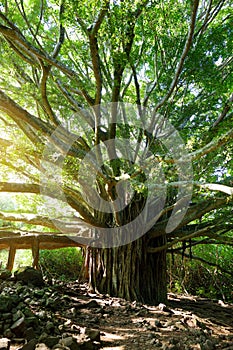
226,109
19,187
208,148
219,267
184,54
30,219
193,213
19,115
45,242
120,64
73,198
21,45
13,110
212,146
208,231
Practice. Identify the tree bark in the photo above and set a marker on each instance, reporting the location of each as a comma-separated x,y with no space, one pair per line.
129,272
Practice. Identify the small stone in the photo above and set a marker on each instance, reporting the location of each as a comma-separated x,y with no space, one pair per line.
53,303
28,313
165,347
19,327
6,303
39,293
152,341
49,326
191,322
158,324
42,314
17,315
151,335
49,340
29,334
5,344
85,343
31,322
164,308
6,327
6,316
208,345
68,323
61,327
93,334
69,342
41,346
31,345
92,304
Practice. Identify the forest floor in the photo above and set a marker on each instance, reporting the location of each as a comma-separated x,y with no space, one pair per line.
184,323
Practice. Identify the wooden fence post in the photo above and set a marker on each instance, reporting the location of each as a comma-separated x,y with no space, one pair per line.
35,253
11,258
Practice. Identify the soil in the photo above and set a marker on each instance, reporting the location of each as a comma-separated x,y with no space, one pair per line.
186,322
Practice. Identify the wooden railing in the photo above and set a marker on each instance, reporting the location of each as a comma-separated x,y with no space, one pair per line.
35,242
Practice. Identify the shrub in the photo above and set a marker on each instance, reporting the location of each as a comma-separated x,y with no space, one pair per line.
64,263
198,278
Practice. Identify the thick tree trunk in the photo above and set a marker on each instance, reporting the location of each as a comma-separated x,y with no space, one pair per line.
129,272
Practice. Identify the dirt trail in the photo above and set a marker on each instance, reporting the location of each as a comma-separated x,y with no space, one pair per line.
185,323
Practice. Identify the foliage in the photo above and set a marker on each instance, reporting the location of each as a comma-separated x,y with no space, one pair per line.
61,264
187,275
23,257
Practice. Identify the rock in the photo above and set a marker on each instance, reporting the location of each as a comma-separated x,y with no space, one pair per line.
7,316
31,321
164,308
42,314
191,322
90,305
6,303
49,327
39,293
29,275
4,344
17,315
158,324
18,327
152,342
208,345
85,343
8,334
5,274
29,334
31,345
28,313
49,340
93,334
42,346
69,342
53,303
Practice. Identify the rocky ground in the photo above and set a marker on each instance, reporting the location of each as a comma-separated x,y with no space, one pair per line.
64,316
